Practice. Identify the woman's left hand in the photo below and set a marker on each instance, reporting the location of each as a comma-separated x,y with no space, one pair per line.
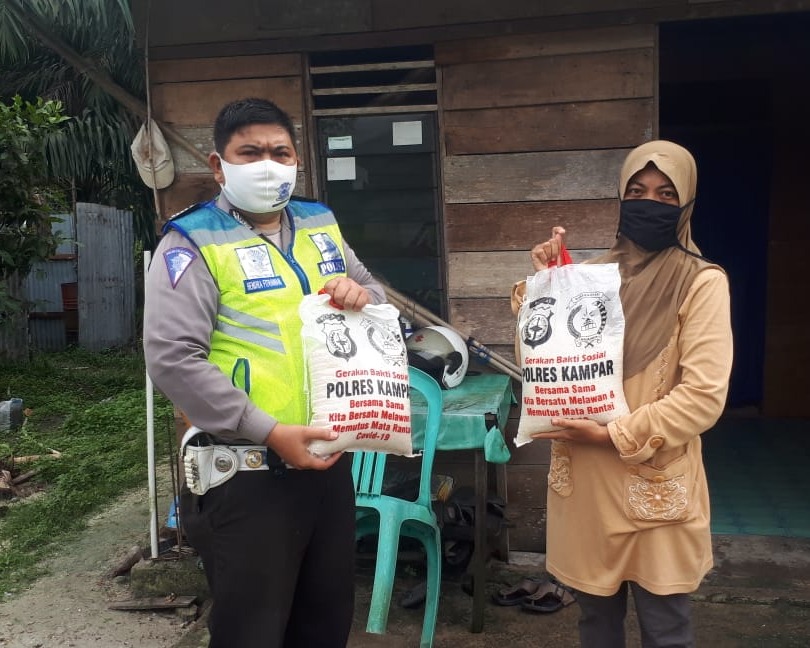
578,431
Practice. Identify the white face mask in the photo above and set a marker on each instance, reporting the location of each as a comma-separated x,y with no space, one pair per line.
258,187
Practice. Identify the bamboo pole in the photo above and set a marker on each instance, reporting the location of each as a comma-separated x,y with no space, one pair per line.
422,315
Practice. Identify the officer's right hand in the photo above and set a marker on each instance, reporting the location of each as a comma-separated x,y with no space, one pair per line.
291,444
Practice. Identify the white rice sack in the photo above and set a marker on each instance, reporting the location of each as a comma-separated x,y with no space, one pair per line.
357,377
571,344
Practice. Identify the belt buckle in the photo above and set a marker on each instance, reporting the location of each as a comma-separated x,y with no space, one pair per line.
254,459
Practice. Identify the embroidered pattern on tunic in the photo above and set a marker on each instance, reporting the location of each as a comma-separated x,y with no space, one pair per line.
559,472
665,501
661,371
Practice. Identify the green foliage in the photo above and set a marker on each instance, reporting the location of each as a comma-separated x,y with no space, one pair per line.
25,200
69,16
90,156
91,408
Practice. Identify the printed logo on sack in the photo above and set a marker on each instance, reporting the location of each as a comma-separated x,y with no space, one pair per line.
537,329
587,318
338,341
332,260
258,268
387,342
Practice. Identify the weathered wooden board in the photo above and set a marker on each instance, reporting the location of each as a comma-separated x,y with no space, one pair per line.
202,138
527,488
198,103
519,46
153,603
555,79
187,189
491,274
226,67
490,321
517,226
569,126
421,13
190,188
208,22
521,177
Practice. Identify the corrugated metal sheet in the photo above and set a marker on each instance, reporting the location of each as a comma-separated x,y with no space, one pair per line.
46,323
100,269
66,227
106,276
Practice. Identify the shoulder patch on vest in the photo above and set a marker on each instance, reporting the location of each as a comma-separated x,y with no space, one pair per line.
178,259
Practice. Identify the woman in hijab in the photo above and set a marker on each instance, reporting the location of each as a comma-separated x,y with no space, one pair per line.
628,503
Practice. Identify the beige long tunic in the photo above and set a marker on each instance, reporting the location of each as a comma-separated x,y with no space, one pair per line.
640,511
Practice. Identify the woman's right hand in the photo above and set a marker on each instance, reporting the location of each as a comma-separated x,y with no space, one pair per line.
545,253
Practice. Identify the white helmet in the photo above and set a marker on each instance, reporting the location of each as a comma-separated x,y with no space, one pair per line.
440,352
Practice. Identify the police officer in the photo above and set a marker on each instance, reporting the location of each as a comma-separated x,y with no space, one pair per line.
221,338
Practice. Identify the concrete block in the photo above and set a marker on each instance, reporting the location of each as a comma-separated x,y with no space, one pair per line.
183,577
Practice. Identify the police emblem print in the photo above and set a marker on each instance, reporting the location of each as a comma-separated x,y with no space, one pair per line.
537,329
587,318
387,342
338,341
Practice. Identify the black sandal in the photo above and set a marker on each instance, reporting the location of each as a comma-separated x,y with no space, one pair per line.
517,593
549,600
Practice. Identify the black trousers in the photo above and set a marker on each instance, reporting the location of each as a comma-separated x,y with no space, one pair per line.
665,621
278,552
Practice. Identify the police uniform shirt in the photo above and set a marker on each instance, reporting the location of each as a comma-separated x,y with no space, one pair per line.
180,313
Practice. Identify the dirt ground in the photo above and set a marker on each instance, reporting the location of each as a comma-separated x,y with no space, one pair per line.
757,596
69,606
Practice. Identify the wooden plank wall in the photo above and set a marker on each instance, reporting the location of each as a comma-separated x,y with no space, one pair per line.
189,93
534,129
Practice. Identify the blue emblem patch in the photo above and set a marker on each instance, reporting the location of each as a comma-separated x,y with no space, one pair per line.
332,260
177,260
258,268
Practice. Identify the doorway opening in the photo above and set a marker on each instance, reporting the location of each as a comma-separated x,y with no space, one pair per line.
730,91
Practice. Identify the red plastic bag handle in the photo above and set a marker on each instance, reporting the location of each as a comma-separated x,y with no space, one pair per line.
563,259
332,302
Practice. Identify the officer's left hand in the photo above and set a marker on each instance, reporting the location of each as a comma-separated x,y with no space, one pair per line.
577,430
347,293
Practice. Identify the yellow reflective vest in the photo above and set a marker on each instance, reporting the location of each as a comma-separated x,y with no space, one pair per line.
257,338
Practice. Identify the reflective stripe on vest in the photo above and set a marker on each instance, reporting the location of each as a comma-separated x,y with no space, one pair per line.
257,338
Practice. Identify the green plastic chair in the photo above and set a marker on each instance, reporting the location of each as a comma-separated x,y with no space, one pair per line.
391,517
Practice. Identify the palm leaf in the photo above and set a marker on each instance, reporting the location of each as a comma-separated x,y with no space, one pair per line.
91,153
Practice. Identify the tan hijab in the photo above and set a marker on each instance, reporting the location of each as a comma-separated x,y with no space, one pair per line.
655,284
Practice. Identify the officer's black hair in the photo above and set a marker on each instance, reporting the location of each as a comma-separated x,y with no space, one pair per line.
245,112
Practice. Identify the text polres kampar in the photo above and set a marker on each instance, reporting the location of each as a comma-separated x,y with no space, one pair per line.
375,414
574,400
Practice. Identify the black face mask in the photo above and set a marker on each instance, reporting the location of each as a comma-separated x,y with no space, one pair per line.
650,224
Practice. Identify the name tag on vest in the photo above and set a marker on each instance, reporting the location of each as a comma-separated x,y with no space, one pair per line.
258,268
